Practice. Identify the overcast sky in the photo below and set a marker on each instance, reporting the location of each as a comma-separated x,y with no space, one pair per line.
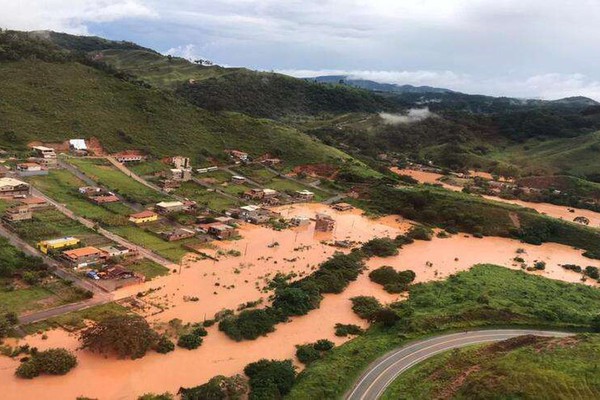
523,48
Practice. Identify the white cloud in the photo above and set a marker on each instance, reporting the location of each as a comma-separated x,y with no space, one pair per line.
413,115
72,16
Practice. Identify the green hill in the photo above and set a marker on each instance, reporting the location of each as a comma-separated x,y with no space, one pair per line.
50,94
526,367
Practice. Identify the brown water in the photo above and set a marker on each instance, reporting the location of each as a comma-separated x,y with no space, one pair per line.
108,378
552,210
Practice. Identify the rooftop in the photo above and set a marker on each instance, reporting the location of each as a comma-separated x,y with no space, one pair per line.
59,240
11,182
167,204
143,214
82,252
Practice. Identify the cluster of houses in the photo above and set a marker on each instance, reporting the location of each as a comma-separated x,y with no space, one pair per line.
69,250
181,171
17,190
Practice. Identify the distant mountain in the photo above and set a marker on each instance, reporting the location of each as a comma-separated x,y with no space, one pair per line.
376,86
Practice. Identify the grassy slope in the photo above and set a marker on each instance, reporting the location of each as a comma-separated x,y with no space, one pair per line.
575,156
57,101
484,296
159,70
524,368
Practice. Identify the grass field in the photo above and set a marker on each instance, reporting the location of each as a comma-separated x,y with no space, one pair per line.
148,268
51,224
39,297
61,185
219,175
76,319
202,196
145,168
486,295
523,368
107,175
170,250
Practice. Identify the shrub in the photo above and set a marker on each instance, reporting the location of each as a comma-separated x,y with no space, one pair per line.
592,272
365,306
324,345
124,335
217,388
270,379
199,331
292,301
152,396
51,361
540,265
380,247
572,267
595,324
420,232
249,324
189,341
164,345
307,353
386,316
392,280
347,329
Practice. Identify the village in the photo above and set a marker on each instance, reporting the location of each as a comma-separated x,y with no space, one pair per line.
188,224
168,253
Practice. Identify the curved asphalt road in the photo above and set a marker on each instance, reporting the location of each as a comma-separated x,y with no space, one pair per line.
385,370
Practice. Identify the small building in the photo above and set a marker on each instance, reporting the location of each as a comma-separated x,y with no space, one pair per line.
180,174
10,187
78,147
304,195
143,217
221,231
56,244
129,156
167,207
116,251
324,223
180,162
238,155
271,161
104,199
269,193
177,234
225,220
238,180
44,152
260,194
300,221
29,167
342,207
83,256
169,185
18,213
34,203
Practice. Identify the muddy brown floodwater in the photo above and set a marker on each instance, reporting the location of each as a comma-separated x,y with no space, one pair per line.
552,210
299,250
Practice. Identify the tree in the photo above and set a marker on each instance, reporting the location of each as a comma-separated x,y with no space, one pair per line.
380,247
218,388
164,345
582,220
270,379
189,341
123,335
292,301
595,325
365,306
152,396
307,353
52,361
386,316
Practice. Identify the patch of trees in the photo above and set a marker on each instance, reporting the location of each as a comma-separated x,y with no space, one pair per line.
308,353
193,339
380,247
7,322
296,298
270,379
164,345
420,232
366,306
52,362
126,336
16,262
273,96
343,330
218,388
393,281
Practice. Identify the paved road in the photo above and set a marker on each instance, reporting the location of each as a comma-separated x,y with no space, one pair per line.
385,370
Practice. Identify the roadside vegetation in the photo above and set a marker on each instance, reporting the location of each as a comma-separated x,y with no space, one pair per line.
523,367
486,295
